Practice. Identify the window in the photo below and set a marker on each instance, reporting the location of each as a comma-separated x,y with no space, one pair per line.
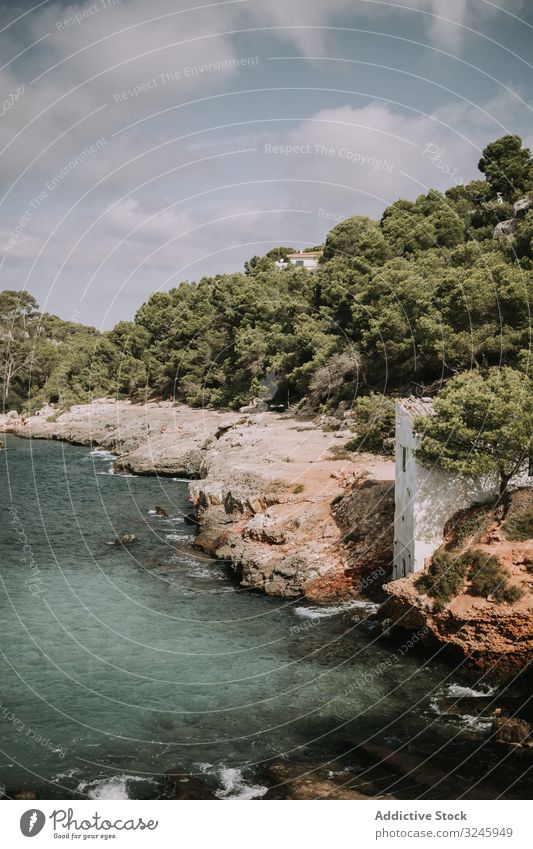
404,459
299,262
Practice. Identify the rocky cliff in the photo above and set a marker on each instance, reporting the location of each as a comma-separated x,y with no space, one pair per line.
274,494
494,636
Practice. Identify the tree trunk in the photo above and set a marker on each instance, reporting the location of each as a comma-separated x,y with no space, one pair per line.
505,498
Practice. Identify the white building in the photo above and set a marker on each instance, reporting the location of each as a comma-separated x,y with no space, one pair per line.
305,259
426,498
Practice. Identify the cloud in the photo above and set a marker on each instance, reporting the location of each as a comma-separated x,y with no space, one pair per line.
445,21
351,160
109,159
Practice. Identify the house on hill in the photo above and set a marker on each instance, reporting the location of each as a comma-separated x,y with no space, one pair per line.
426,498
305,259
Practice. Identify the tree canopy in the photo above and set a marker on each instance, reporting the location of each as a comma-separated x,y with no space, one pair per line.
508,167
483,424
413,299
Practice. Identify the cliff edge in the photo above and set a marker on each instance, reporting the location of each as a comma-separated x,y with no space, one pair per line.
486,565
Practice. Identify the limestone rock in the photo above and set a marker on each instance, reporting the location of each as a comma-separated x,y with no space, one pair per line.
505,229
257,406
522,207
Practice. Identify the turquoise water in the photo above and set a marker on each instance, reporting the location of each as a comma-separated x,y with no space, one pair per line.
118,664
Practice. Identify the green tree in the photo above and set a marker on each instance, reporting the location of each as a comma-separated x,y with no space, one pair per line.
357,237
508,167
483,424
17,308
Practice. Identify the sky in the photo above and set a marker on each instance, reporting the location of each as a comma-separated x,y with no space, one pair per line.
143,144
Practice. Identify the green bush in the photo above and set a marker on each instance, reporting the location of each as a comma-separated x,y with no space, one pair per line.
490,578
374,423
447,573
445,577
472,525
519,525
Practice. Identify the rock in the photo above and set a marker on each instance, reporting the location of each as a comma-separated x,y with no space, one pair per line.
494,638
257,406
160,511
246,475
185,786
309,780
13,415
25,793
46,411
511,730
420,771
505,229
125,539
522,207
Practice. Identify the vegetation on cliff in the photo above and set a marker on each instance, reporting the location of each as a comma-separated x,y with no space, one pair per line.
395,305
478,556
483,424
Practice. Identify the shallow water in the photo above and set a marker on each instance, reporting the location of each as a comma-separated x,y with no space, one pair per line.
119,663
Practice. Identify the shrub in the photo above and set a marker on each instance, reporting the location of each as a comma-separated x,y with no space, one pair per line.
445,576
298,488
490,578
374,423
336,380
471,525
519,526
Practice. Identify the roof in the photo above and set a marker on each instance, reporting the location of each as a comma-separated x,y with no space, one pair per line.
311,254
416,406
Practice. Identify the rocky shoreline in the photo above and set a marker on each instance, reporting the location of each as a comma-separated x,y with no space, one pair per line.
298,516
295,514
275,495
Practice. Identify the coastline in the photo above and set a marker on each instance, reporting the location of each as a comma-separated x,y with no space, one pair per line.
273,494
243,471
294,513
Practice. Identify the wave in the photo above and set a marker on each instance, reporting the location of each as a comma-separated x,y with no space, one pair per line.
336,609
115,787
233,784
471,722
180,537
476,723
456,691
111,471
104,455
69,773
167,520
201,569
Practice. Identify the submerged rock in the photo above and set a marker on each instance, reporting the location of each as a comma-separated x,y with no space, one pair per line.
26,793
160,511
185,786
125,539
511,730
308,780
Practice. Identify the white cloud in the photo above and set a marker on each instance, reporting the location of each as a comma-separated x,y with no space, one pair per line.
357,160
120,206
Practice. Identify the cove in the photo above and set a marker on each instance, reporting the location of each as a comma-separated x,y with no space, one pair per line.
130,660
